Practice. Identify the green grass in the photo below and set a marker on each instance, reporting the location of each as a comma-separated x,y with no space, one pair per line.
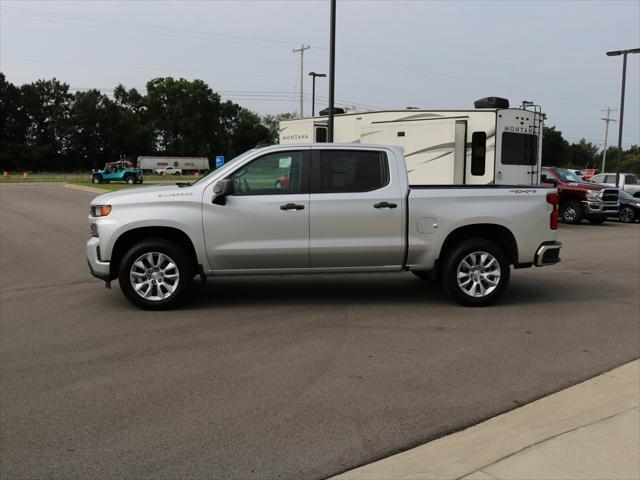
109,186
85,178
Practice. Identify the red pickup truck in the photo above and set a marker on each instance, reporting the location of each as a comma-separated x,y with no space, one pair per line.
579,199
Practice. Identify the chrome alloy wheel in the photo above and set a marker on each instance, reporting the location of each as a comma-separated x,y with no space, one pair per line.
626,214
478,274
154,276
570,214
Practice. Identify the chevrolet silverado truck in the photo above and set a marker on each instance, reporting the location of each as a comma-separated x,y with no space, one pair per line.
579,199
344,208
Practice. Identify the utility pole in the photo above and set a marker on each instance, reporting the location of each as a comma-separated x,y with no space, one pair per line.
301,50
606,135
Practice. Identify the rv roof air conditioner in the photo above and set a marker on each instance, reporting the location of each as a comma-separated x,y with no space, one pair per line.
491,102
336,111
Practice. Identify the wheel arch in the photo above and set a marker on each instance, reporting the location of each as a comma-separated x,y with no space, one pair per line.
489,231
135,235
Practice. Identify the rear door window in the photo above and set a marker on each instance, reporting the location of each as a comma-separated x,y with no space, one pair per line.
630,179
350,171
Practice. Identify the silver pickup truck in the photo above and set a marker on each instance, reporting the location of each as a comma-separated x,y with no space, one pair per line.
315,209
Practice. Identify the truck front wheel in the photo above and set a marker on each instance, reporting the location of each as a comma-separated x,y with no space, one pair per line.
475,272
571,212
130,179
97,178
155,274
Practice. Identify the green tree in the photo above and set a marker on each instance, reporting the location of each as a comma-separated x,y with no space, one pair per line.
272,122
242,129
13,126
47,104
184,116
583,154
555,149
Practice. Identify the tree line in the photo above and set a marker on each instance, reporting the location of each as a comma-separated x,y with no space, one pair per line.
44,126
558,152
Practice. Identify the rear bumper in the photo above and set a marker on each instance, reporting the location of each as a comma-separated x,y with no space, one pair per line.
97,267
547,254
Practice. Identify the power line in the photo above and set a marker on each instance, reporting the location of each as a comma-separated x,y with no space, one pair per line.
164,29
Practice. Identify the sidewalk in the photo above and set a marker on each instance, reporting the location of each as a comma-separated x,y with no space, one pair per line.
588,431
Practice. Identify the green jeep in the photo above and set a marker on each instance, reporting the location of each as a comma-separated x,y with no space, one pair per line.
120,171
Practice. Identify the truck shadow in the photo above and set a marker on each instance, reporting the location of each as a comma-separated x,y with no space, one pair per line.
367,289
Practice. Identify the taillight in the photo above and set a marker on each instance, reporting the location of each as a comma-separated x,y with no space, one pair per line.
553,199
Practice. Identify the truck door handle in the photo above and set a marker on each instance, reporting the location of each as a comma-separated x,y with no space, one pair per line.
291,206
384,205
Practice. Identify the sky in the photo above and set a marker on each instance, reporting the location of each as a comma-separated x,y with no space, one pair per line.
390,54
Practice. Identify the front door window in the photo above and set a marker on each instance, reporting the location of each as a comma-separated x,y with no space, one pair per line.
276,173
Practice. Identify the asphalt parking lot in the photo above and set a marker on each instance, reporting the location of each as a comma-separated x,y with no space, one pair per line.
279,377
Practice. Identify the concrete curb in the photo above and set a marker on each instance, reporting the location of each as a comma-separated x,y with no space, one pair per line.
85,189
470,450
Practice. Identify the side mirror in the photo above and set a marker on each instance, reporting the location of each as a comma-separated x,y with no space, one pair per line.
221,190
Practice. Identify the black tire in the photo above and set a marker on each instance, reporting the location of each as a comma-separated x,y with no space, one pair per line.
130,179
139,180
279,185
177,173
166,247
597,220
571,212
627,214
454,259
97,178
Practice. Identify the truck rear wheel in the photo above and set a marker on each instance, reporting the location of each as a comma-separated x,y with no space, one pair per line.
155,274
571,212
475,272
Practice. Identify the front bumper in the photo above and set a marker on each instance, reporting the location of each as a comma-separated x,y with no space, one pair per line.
98,268
547,254
600,208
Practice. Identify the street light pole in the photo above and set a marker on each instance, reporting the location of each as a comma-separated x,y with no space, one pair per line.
313,91
624,54
332,69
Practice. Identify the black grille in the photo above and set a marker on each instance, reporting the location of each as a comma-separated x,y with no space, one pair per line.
610,195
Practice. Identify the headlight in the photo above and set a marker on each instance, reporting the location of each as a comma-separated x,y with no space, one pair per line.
593,195
99,210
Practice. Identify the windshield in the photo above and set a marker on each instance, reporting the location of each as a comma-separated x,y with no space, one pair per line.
233,160
623,194
568,176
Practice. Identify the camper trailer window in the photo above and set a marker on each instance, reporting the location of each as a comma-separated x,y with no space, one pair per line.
321,134
519,149
352,171
478,153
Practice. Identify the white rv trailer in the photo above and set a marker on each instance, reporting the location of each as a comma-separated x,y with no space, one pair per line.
490,144
149,164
